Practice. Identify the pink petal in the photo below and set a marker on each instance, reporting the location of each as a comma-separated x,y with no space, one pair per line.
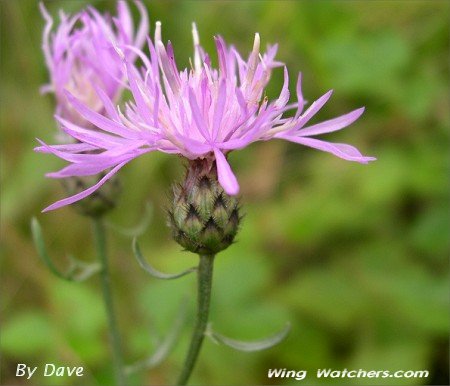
167,67
125,20
84,193
156,107
312,110
153,58
87,158
142,107
221,53
226,177
46,36
284,95
234,144
88,169
340,150
70,148
219,108
107,102
199,121
81,170
142,32
193,146
332,124
100,121
300,100
95,138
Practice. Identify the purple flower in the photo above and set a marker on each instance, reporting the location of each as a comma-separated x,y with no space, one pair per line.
198,113
81,59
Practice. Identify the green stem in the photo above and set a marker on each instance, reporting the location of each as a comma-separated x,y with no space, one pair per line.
99,234
205,271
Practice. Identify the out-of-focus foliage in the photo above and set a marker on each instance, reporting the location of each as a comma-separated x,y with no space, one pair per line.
355,256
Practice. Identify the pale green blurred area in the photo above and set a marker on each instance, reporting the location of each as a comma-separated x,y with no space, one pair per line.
354,256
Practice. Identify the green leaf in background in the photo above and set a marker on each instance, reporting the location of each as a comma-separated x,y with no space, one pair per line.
354,256
80,317
27,334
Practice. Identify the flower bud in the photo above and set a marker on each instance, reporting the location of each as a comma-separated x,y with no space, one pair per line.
203,218
99,202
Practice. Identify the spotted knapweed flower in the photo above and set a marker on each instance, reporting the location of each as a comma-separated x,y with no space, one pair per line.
81,59
201,113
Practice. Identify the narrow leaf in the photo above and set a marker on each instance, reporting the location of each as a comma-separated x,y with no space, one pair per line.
138,229
152,271
77,271
165,347
258,345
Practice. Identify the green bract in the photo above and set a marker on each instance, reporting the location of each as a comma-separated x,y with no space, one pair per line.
203,218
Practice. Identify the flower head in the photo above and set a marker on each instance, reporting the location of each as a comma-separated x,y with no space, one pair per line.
81,59
202,112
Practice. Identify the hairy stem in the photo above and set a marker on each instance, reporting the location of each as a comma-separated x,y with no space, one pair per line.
205,271
100,241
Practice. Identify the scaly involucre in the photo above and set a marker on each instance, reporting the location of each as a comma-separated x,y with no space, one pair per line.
201,112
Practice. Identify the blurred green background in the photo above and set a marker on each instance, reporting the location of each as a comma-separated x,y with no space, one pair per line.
355,256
